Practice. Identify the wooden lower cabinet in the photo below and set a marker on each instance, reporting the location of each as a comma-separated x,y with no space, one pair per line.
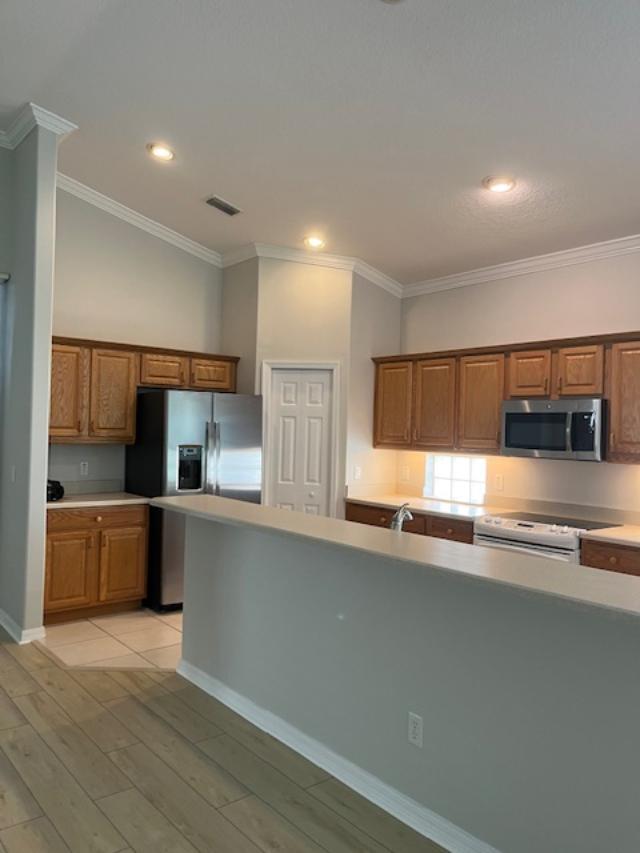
381,517
441,527
614,558
96,558
71,579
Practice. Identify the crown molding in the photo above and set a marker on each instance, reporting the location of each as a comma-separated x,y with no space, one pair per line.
318,259
32,116
539,263
109,205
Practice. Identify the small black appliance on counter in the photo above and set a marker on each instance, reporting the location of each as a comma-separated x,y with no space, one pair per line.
55,490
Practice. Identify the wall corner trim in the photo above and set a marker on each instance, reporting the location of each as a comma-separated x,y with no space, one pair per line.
115,208
17,633
410,812
31,116
538,263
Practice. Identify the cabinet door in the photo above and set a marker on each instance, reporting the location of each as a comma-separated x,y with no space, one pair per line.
213,375
113,395
393,403
434,412
624,415
69,412
123,564
71,577
581,370
481,394
161,370
530,373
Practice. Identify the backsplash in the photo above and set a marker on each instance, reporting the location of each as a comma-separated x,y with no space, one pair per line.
105,467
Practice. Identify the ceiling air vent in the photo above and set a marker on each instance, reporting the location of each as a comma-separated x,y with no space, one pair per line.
222,205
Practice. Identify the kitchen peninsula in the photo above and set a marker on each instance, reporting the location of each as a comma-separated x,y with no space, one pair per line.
328,634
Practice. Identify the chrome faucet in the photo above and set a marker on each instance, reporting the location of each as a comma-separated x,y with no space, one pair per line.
400,517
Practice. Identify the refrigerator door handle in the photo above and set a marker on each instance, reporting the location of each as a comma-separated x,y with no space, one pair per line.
213,457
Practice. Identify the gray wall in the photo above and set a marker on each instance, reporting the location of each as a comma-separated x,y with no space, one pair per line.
240,320
6,225
106,467
115,282
27,357
530,704
375,330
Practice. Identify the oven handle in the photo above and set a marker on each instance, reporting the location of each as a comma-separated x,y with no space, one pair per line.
522,549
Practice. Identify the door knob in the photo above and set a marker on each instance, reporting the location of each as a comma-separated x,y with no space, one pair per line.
312,494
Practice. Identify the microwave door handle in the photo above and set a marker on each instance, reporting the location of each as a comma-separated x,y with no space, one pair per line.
568,432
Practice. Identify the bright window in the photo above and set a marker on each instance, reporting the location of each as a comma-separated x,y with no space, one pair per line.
456,478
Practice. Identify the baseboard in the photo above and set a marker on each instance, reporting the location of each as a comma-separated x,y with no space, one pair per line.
17,633
410,812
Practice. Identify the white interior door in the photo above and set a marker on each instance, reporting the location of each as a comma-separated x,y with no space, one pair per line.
300,447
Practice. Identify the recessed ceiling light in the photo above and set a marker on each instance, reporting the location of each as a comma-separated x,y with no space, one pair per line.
502,184
314,242
160,151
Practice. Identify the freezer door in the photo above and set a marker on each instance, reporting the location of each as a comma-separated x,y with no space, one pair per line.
187,414
235,447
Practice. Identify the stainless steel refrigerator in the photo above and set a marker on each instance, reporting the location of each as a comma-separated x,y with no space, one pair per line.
189,443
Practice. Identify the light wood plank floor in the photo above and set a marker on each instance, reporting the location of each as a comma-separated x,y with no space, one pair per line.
142,762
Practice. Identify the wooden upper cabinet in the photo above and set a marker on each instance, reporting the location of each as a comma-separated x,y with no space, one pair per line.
530,373
624,412
393,404
69,411
580,371
434,414
112,413
71,574
211,374
480,403
161,370
123,564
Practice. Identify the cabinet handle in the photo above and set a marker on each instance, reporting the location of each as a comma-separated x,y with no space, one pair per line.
559,383
383,519
449,531
612,439
79,425
98,518
546,384
613,560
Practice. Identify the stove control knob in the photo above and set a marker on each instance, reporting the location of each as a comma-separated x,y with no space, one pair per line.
554,528
565,529
497,521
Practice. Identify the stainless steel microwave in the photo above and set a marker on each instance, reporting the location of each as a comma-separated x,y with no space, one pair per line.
554,429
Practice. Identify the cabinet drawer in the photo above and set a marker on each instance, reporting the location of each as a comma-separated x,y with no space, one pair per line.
217,375
167,371
450,528
615,558
96,517
381,517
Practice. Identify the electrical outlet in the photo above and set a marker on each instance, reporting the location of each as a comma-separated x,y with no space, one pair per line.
415,729
357,473
404,474
499,482
84,469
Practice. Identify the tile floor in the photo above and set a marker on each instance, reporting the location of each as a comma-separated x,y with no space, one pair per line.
140,639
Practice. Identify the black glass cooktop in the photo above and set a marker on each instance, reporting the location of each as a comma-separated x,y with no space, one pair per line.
554,519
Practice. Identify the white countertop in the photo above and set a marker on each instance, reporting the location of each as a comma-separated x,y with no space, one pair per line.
610,590
100,499
447,509
627,534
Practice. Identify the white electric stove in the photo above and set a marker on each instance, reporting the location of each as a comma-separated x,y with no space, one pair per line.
539,535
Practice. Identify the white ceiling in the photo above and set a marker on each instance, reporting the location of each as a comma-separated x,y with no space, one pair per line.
371,122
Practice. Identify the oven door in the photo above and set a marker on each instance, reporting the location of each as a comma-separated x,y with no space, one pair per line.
527,548
553,429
